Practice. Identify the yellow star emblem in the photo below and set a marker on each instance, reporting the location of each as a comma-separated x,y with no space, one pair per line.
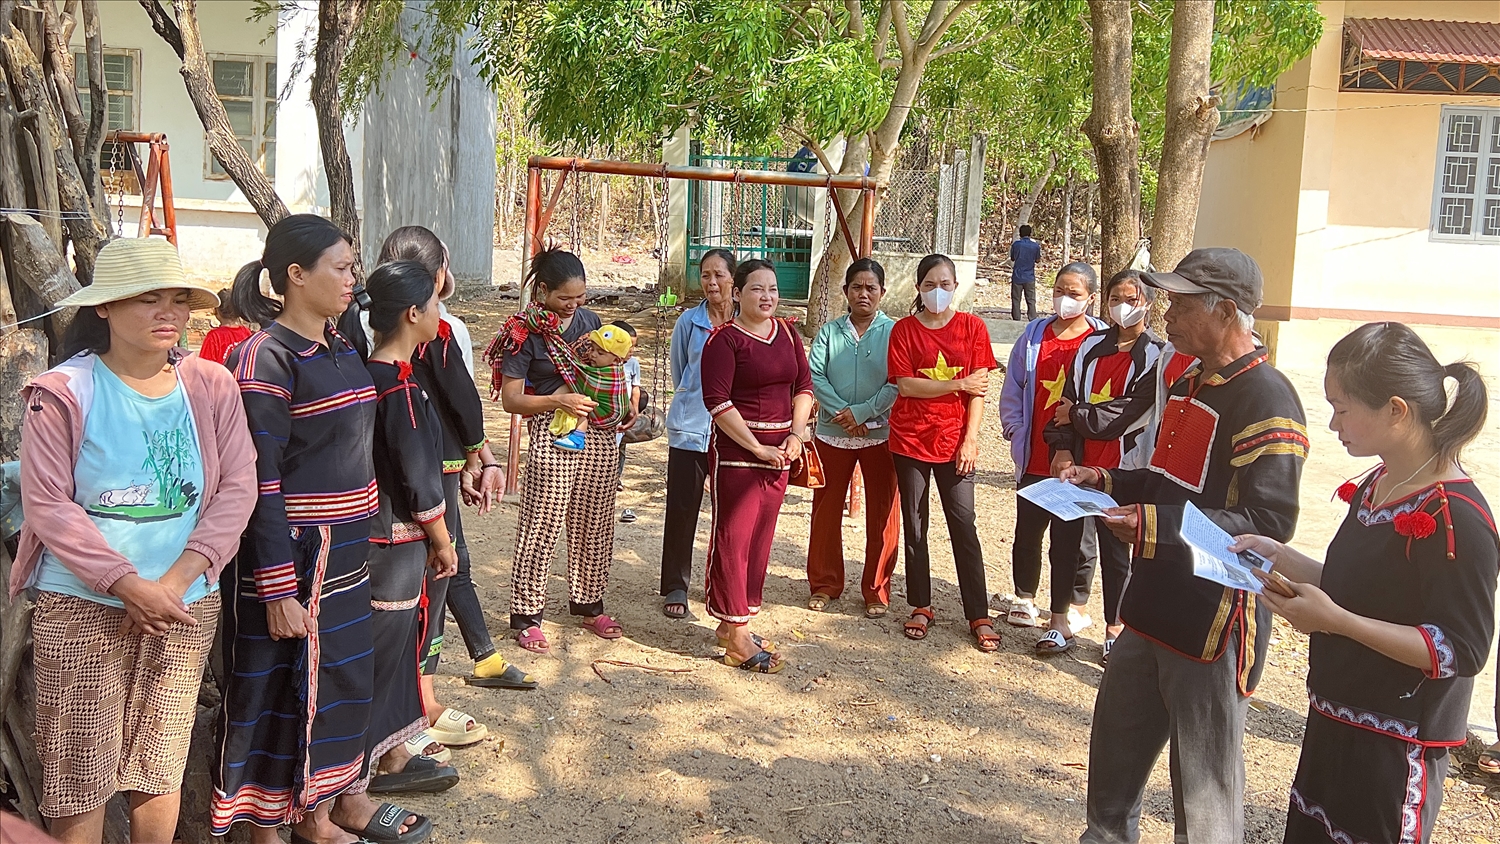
1055,387
942,371
1103,395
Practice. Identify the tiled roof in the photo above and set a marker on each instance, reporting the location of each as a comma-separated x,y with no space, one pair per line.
1422,40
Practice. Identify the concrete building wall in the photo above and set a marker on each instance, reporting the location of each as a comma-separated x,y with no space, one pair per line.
1333,195
430,161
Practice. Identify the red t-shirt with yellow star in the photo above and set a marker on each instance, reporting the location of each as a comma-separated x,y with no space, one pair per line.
931,430
1051,374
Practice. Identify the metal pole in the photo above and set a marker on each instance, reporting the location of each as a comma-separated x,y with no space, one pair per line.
704,174
531,240
867,224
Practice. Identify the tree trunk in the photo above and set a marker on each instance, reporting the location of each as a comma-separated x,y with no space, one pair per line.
60,64
1067,219
1192,114
98,105
1112,130
337,20
1029,205
30,83
1088,225
37,264
184,38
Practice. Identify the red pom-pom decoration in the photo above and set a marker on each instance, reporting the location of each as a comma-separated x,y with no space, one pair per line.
1417,525
1346,491
403,370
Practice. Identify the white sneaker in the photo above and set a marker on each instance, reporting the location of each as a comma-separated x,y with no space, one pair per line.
1077,621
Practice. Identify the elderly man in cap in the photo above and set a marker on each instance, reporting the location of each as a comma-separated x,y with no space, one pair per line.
1231,440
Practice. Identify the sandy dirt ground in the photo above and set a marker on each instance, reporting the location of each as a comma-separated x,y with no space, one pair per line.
866,737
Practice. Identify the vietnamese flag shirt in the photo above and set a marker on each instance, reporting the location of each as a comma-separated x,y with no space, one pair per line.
931,430
1051,375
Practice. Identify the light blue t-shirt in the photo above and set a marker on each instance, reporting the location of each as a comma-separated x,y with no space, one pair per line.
139,477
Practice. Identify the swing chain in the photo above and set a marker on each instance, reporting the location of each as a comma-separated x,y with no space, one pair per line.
573,234
119,185
664,302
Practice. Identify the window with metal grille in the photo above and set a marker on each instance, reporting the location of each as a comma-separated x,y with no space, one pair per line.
246,85
1466,198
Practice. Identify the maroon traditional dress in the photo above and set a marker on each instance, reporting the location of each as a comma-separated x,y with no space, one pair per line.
759,377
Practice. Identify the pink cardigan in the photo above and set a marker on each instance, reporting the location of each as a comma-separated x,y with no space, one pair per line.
57,403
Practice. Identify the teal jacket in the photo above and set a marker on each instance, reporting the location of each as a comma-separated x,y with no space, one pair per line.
849,372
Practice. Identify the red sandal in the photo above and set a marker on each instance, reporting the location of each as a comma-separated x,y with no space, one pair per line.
915,627
986,642
604,627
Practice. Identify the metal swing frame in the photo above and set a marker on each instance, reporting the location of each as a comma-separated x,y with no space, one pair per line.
539,215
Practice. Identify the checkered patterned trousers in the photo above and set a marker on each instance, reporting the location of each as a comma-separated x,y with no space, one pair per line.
572,489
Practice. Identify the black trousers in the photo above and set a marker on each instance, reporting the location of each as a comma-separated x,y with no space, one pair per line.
1073,553
455,593
1114,570
956,492
1017,293
686,473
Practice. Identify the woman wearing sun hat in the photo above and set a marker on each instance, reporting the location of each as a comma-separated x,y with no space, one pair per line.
138,479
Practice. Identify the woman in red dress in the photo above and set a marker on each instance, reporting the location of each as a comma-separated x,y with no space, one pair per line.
758,389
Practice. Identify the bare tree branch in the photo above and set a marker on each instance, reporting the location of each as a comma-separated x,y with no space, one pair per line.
93,44
967,45
817,148
903,35
932,36
337,22
164,25
856,28
883,32
935,14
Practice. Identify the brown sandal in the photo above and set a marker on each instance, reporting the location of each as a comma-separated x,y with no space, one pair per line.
986,642
915,627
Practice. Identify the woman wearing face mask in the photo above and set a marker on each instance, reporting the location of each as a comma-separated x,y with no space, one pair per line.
1401,612
689,426
940,360
1106,406
758,389
1034,381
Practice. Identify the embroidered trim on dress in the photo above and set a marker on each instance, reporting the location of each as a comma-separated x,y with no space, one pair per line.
1394,727
1444,661
395,606
1369,516
1319,814
747,464
768,426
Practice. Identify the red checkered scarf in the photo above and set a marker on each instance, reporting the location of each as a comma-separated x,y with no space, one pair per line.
604,384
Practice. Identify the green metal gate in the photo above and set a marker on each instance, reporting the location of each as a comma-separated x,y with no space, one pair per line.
753,221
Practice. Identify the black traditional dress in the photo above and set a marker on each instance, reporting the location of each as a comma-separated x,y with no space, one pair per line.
408,470
440,370
1378,731
296,711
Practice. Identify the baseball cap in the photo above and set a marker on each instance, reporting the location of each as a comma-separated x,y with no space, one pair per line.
613,339
1222,270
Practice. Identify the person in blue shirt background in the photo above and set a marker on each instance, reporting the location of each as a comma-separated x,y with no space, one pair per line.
1024,253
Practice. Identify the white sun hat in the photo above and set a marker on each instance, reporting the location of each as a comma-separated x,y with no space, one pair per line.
129,266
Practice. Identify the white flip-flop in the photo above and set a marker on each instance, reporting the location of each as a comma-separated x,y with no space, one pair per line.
452,729
417,746
1078,622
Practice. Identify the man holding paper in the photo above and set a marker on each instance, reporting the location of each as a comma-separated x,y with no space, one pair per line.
1231,441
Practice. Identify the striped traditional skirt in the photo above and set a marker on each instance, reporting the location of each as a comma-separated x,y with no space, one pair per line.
296,711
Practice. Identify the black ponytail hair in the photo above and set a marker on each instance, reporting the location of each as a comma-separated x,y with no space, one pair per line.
730,262
394,287
1083,270
925,266
865,265
1129,276
551,269
299,239
414,243
1382,360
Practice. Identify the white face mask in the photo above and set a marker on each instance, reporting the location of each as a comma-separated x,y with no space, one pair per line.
1067,307
1126,314
937,299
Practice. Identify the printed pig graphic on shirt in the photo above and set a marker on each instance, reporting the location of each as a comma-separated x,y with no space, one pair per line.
130,496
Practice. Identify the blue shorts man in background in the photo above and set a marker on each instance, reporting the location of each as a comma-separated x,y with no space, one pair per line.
1024,253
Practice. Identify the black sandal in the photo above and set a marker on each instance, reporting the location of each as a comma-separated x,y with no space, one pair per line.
674,599
422,774
511,678
384,827
763,662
